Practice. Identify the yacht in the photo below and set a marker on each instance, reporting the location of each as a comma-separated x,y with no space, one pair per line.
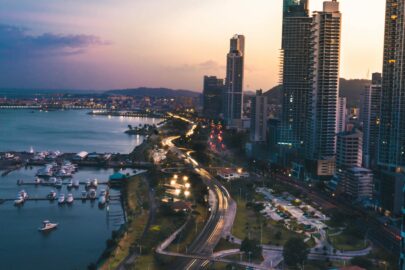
70,184
61,199
64,173
102,198
58,183
45,171
24,194
92,194
52,195
19,200
47,225
70,198
84,195
94,183
52,180
76,184
38,181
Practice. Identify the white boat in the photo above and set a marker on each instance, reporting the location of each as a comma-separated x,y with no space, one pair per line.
24,194
52,195
47,225
102,200
19,200
38,180
52,180
58,183
84,195
92,194
45,171
103,197
70,184
76,184
61,199
94,183
69,198
64,173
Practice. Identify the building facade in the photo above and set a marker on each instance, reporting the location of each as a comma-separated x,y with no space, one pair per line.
358,183
322,100
341,115
258,119
212,97
391,147
233,94
296,41
349,150
370,117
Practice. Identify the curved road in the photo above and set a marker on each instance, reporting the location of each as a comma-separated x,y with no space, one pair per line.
214,228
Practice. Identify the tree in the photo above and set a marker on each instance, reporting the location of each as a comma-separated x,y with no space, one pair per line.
295,252
251,247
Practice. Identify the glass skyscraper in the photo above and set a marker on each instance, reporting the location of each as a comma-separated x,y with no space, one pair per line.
296,40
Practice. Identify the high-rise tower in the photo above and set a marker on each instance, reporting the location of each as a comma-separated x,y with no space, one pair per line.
296,40
370,116
233,95
391,148
322,100
212,97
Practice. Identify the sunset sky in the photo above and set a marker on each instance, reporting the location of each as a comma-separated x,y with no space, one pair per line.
105,44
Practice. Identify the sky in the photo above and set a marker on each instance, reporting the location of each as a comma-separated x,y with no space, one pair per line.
109,44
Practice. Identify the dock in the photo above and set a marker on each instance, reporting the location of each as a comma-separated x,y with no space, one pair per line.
53,184
36,199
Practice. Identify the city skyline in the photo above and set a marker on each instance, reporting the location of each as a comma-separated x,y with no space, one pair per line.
146,46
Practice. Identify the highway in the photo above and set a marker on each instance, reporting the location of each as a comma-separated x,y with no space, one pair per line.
212,232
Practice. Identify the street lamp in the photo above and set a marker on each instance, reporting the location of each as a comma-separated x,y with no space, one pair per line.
185,178
178,191
173,182
187,185
186,193
175,176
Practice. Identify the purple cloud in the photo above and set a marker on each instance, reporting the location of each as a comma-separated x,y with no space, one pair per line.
16,42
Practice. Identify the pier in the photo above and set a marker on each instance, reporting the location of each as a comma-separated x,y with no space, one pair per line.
19,183
36,199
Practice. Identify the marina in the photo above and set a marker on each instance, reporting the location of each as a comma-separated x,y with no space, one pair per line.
45,179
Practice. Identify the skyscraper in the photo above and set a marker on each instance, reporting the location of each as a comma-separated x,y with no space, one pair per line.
391,148
370,116
258,126
341,115
233,95
212,97
296,38
322,100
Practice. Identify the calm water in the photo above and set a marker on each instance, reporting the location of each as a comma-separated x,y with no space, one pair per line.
67,131
84,228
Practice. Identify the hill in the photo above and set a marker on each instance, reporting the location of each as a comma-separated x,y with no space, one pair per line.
153,92
352,89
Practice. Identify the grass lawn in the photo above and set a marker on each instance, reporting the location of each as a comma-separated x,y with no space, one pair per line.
225,245
145,262
136,193
247,220
347,242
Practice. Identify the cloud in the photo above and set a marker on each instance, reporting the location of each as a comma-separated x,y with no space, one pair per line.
17,42
207,65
